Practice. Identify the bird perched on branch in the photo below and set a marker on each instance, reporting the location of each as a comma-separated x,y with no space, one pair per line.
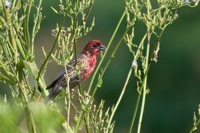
77,71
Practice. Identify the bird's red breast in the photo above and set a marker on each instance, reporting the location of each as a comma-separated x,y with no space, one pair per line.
89,66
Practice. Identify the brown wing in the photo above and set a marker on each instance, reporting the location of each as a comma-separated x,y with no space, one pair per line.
60,79
59,83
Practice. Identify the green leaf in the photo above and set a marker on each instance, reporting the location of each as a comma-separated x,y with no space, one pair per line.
195,118
66,126
32,68
54,10
195,122
46,118
9,80
18,5
147,91
100,81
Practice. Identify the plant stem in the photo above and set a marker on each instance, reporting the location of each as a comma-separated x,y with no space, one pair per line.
195,126
30,121
120,97
36,25
135,113
86,125
89,10
12,45
54,44
105,53
137,55
48,56
26,25
144,84
79,121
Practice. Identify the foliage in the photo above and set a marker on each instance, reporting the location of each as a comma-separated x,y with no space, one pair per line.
18,68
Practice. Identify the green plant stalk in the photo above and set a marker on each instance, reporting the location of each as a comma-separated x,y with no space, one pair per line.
38,79
79,121
15,43
26,25
8,50
74,33
120,97
54,45
126,82
90,9
6,79
143,105
29,117
139,95
86,124
23,92
144,91
135,113
30,122
138,100
11,75
11,35
68,99
36,23
105,53
19,44
113,53
69,104
82,116
195,126
26,81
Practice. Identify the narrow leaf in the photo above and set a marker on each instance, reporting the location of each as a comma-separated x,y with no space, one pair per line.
32,68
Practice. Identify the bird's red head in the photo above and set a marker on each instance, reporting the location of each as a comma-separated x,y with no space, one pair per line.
93,48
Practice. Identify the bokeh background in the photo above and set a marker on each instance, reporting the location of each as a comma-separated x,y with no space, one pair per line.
174,81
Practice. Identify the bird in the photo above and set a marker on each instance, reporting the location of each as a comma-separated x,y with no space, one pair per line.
78,70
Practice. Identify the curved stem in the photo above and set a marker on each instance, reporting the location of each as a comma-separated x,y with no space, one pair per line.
105,53
113,53
54,44
120,97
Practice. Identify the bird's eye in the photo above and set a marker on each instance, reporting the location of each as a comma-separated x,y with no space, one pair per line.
94,45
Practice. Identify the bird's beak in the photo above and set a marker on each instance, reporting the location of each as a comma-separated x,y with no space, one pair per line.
102,47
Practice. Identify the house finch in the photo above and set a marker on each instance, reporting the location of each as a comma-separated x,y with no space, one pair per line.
86,63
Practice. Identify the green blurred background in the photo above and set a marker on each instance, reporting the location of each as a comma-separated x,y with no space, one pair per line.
174,81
